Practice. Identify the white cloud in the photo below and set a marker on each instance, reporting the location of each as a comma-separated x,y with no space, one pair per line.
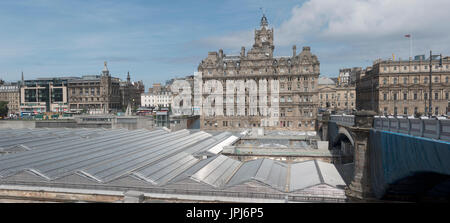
364,19
233,41
356,32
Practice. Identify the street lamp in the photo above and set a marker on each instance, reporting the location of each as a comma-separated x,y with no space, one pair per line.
430,89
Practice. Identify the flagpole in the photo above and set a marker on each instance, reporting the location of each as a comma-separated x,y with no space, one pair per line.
410,47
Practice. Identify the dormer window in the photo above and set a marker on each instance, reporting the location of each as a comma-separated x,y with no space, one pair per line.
289,62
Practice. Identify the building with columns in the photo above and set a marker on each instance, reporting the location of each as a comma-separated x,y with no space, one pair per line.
297,75
401,87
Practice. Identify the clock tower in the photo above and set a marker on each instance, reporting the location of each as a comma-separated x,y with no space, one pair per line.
263,46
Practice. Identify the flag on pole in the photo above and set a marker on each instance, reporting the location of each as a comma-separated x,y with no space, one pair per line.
410,45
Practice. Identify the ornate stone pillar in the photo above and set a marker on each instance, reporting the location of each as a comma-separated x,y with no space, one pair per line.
360,187
325,119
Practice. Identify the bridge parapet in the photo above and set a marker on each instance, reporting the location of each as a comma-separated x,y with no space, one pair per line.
428,128
346,120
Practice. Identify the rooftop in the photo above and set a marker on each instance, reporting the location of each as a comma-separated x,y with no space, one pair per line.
325,81
183,162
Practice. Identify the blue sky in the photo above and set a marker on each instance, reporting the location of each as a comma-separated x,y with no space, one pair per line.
158,40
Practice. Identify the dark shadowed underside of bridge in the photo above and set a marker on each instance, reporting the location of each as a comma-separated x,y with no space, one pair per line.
425,186
409,168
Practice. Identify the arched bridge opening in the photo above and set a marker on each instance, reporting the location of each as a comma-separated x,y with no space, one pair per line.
343,145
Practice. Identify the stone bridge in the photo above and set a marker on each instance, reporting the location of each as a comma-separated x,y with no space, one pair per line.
393,158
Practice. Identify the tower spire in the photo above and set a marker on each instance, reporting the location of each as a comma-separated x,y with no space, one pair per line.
264,22
105,70
128,77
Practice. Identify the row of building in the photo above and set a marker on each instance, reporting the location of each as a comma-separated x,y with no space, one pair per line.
95,94
402,87
389,87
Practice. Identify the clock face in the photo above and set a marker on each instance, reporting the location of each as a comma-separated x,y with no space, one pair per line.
263,39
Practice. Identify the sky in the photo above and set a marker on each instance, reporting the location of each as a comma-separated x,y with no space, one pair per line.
159,40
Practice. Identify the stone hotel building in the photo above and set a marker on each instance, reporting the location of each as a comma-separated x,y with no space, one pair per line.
402,87
95,93
297,75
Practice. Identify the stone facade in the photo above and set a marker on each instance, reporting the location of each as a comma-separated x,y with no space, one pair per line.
347,76
157,99
336,98
130,93
402,87
96,94
297,76
158,96
11,94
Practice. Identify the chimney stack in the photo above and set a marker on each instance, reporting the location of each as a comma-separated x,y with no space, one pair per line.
294,51
242,51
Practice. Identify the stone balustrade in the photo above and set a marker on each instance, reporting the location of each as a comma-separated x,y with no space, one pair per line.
428,128
346,120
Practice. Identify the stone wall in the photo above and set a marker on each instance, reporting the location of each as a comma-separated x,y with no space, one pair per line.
16,124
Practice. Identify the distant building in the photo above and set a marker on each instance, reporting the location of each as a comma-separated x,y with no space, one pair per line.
95,93
130,92
327,93
44,95
158,96
297,76
155,88
334,97
10,92
347,76
177,109
402,87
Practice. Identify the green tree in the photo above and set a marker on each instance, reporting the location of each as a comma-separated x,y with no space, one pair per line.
3,108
